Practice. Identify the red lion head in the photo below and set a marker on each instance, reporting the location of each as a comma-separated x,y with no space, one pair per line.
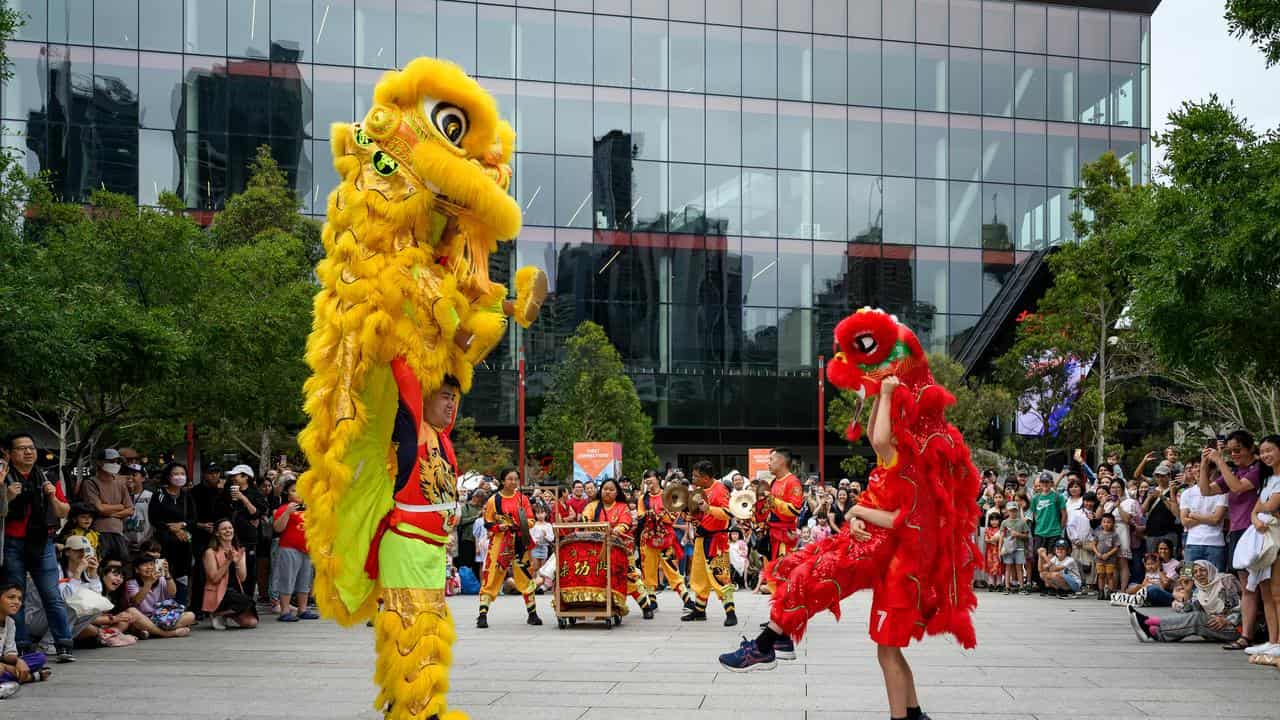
869,346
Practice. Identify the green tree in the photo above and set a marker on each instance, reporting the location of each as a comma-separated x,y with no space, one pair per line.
1206,286
482,453
978,405
244,383
1259,21
591,399
97,316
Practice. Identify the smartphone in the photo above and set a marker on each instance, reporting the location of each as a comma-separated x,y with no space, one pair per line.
284,460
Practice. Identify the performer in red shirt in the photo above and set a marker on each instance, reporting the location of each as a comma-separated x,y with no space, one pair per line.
508,516
779,508
709,566
658,547
611,507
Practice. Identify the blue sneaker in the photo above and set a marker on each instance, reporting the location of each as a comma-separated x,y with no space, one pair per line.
784,648
309,615
747,658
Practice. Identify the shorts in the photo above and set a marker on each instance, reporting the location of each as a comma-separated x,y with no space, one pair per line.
894,627
540,552
1106,568
291,573
1122,537
1233,539
1017,557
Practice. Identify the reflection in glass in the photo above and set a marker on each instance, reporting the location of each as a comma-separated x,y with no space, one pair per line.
899,74
760,341
760,133
1030,86
25,88
1126,97
1095,33
335,32
1030,27
931,145
1032,217
997,150
1095,91
899,142
724,197
724,59
535,32
899,20
1029,152
612,111
1061,148
795,273
760,63
652,197
573,120
830,69
496,56
649,124
759,202
334,97
866,208
795,66
931,281
649,54
687,115
36,15
115,24
997,217
931,21
966,23
997,25
795,204
535,186
1062,89
612,51
1059,209
965,280
965,225
248,82
931,212
573,192
899,210
456,33
415,30
688,54
375,33
865,77
688,200
724,118
1063,30
831,136
997,83
795,136
759,272
206,27
830,200
535,117
247,23
157,165
966,81
864,140
864,18
931,78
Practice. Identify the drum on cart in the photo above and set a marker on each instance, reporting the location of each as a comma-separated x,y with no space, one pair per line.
590,575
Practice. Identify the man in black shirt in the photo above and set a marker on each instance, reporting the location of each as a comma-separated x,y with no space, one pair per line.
1161,509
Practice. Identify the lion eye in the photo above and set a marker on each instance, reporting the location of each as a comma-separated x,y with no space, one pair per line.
451,121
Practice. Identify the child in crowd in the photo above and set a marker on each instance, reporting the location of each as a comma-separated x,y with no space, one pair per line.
1106,548
821,528
1059,570
806,537
1153,576
738,559
543,536
1014,532
992,539
15,668
80,522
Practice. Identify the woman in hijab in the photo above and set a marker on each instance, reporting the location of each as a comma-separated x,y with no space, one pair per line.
1212,613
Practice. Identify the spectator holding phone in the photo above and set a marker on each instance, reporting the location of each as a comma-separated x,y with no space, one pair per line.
1161,510
1239,479
172,513
152,591
291,577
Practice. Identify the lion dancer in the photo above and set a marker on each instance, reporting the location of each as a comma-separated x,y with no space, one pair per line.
611,507
659,550
508,517
779,509
709,566
909,538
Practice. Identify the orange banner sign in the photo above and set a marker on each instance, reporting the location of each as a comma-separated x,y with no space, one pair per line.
757,461
595,461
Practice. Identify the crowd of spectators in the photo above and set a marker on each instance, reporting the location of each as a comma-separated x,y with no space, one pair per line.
119,554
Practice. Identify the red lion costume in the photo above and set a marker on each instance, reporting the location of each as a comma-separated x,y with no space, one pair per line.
921,570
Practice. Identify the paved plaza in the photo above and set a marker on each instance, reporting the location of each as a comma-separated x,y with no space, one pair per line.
1036,658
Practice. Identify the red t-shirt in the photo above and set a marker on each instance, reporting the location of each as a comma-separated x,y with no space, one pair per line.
578,503
16,527
293,536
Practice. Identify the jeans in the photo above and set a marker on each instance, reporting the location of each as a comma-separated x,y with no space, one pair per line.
1158,596
45,573
1216,554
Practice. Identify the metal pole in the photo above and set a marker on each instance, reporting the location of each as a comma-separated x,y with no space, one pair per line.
822,420
520,419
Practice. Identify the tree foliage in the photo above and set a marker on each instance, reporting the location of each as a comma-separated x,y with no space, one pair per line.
1206,286
591,399
1259,21
482,453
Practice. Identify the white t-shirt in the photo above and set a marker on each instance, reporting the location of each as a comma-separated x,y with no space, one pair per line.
1195,502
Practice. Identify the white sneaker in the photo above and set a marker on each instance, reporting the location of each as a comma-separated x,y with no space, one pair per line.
217,622
8,689
1262,649
1273,651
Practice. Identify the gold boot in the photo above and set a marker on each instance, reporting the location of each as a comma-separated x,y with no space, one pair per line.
414,640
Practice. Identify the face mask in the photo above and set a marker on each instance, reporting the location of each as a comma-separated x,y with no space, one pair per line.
111,468
178,480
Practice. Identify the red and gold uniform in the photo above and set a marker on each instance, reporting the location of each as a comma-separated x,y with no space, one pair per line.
709,566
779,511
618,515
502,517
659,550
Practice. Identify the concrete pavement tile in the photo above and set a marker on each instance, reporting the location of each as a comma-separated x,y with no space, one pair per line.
604,700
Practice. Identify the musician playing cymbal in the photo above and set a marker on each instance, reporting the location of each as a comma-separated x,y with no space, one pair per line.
709,566
508,517
659,550
779,506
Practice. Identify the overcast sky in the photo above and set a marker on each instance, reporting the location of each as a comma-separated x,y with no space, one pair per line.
1193,55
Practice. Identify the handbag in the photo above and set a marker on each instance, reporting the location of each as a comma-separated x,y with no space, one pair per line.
167,614
88,603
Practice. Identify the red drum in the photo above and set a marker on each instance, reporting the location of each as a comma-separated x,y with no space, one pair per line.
580,573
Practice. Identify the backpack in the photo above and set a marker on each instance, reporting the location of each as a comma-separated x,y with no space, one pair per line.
470,585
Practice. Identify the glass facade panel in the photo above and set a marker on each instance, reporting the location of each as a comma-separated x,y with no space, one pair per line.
715,181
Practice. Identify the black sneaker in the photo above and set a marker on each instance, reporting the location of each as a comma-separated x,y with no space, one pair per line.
694,615
688,603
64,655
533,619
482,621
647,613
730,619
784,648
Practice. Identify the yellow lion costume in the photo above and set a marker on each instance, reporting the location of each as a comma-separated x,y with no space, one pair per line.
406,309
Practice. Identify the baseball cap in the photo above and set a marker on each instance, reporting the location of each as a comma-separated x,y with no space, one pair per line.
1062,544
1011,505
241,469
1046,476
213,466
80,509
107,454
79,542
133,468
1163,469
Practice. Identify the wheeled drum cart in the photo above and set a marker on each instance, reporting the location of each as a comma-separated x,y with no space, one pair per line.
590,575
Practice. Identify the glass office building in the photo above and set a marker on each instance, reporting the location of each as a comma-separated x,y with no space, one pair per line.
716,182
